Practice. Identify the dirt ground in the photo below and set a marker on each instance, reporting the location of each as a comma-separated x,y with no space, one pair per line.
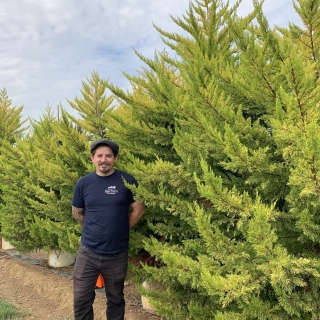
43,292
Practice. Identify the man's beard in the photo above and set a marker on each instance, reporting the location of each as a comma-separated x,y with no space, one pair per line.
106,169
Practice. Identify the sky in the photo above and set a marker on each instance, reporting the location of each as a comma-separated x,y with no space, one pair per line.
48,47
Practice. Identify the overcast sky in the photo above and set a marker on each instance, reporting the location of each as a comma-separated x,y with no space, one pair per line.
47,47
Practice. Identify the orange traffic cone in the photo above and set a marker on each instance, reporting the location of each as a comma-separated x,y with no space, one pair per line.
100,282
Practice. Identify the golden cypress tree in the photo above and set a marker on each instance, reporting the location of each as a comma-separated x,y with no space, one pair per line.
237,229
10,118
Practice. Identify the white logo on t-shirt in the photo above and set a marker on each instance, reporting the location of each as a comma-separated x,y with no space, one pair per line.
111,190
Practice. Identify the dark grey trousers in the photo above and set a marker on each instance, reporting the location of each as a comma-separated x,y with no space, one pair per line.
87,268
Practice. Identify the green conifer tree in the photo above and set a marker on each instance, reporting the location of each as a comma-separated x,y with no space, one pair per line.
39,176
94,107
11,129
62,159
10,118
52,158
16,213
242,184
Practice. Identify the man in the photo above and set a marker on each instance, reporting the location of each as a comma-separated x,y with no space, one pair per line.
101,204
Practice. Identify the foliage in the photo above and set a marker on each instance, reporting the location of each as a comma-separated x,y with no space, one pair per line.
39,174
37,188
93,108
62,158
224,143
8,311
10,130
10,118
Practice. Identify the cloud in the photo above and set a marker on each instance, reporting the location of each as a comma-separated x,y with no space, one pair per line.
278,12
48,47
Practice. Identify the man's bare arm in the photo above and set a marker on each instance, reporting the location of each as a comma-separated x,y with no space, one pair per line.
78,214
136,213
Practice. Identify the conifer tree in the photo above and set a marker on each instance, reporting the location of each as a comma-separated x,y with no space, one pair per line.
53,157
39,176
241,182
144,126
11,129
93,108
62,159
10,118
16,214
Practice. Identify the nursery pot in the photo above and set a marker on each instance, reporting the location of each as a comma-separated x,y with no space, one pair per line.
6,245
57,258
152,286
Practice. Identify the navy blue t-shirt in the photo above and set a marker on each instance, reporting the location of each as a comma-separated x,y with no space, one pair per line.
106,201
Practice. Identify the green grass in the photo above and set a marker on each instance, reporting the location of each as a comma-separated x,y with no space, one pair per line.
8,311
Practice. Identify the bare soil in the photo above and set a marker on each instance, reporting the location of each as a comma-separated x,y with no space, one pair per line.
43,292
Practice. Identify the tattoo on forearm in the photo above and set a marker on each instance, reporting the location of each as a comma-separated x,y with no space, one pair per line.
78,214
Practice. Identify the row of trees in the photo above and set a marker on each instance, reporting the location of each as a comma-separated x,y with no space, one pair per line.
224,142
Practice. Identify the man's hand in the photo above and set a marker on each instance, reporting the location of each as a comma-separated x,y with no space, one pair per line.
137,212
78,214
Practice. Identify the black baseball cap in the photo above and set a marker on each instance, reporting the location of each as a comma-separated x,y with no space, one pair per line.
107,142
